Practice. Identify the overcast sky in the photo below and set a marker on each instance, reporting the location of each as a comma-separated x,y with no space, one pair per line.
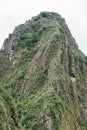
15,12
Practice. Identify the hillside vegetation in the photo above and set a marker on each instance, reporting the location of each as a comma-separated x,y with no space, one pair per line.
43,72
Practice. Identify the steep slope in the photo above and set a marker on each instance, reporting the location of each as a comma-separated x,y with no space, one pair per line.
8,114
46,75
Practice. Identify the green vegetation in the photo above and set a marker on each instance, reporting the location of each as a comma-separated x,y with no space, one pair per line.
8,113
44,85
44,14
28,40
82,123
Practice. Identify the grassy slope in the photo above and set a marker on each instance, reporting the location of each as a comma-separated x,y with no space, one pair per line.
46,95
8,114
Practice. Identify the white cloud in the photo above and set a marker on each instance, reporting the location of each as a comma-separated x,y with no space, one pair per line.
14,12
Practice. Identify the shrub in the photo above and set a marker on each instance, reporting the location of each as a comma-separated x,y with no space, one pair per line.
28,40
44,14
30,36
26,36
20,74
82,123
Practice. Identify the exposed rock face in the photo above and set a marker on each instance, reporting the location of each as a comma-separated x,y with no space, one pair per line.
47,75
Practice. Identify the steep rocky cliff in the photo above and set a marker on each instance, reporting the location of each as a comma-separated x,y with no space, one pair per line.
45,73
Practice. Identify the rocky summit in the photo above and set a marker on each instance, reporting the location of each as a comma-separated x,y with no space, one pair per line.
43,77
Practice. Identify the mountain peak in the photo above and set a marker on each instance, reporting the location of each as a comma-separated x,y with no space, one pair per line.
44,72
44,20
